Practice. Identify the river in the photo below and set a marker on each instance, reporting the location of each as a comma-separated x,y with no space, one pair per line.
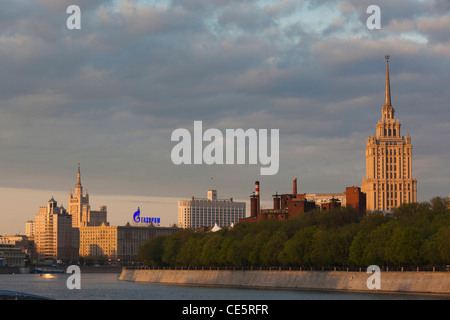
107,286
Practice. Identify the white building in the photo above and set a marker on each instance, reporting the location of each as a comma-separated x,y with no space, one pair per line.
320,198
200,212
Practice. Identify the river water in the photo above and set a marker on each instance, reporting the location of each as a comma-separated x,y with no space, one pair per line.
107,286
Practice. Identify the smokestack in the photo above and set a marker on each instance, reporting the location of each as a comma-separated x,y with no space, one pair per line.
295,186
253,205
258,206
276,201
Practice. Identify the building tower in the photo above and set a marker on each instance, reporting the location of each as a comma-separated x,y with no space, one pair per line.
389,181
78,204
80,210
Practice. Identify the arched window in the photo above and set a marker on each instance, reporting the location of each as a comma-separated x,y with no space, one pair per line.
389,132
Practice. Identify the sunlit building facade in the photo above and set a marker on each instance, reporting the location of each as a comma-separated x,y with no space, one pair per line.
389,179
54,235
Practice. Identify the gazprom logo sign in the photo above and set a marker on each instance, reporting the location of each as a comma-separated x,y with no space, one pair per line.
138,219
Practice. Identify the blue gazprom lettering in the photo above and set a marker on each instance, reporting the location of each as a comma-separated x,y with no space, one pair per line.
137,218
136,215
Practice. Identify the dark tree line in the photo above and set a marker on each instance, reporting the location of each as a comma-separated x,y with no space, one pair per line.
416,234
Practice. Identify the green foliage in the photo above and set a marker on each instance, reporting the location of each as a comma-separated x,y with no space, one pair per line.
415,234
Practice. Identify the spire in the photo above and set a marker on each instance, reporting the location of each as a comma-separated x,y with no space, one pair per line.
78,176
388,84
78,186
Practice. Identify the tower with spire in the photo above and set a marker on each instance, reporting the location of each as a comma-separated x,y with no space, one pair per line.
80,210
389,181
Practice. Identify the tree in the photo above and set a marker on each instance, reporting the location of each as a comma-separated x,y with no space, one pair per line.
377,250
173,244
357,248
437,247
272,248
438,204
152,251
320,248
211,249
261,237
406,243
297,250
407,211
189,253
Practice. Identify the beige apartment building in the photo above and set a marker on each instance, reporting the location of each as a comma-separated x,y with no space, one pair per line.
54,236
389,179
119,243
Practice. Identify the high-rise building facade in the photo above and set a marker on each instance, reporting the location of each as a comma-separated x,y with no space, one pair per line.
200,212
80,210
54,235
389,181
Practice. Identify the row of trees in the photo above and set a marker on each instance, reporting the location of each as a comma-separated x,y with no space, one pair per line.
416,234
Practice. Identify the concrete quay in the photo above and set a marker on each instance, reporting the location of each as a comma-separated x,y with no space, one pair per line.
390,282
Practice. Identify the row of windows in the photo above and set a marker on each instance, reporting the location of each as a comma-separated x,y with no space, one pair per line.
390,151
391,186
212,209
392,202
389,132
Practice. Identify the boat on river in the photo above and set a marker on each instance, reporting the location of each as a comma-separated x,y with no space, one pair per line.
48,269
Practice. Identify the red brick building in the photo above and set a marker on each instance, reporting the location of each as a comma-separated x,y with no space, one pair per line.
356,199
286,206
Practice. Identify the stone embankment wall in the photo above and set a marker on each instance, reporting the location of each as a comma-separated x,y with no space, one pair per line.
392,282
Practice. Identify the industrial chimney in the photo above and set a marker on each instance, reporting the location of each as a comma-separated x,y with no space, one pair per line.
253,205
276,201
258,206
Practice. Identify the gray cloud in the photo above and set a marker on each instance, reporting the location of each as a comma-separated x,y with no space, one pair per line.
109,95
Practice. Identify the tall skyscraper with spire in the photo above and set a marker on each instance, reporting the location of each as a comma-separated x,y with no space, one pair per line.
80,210
389,181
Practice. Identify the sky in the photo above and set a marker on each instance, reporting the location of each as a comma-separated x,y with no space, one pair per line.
109,96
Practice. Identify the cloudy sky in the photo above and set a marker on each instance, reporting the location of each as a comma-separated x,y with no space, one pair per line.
110,95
